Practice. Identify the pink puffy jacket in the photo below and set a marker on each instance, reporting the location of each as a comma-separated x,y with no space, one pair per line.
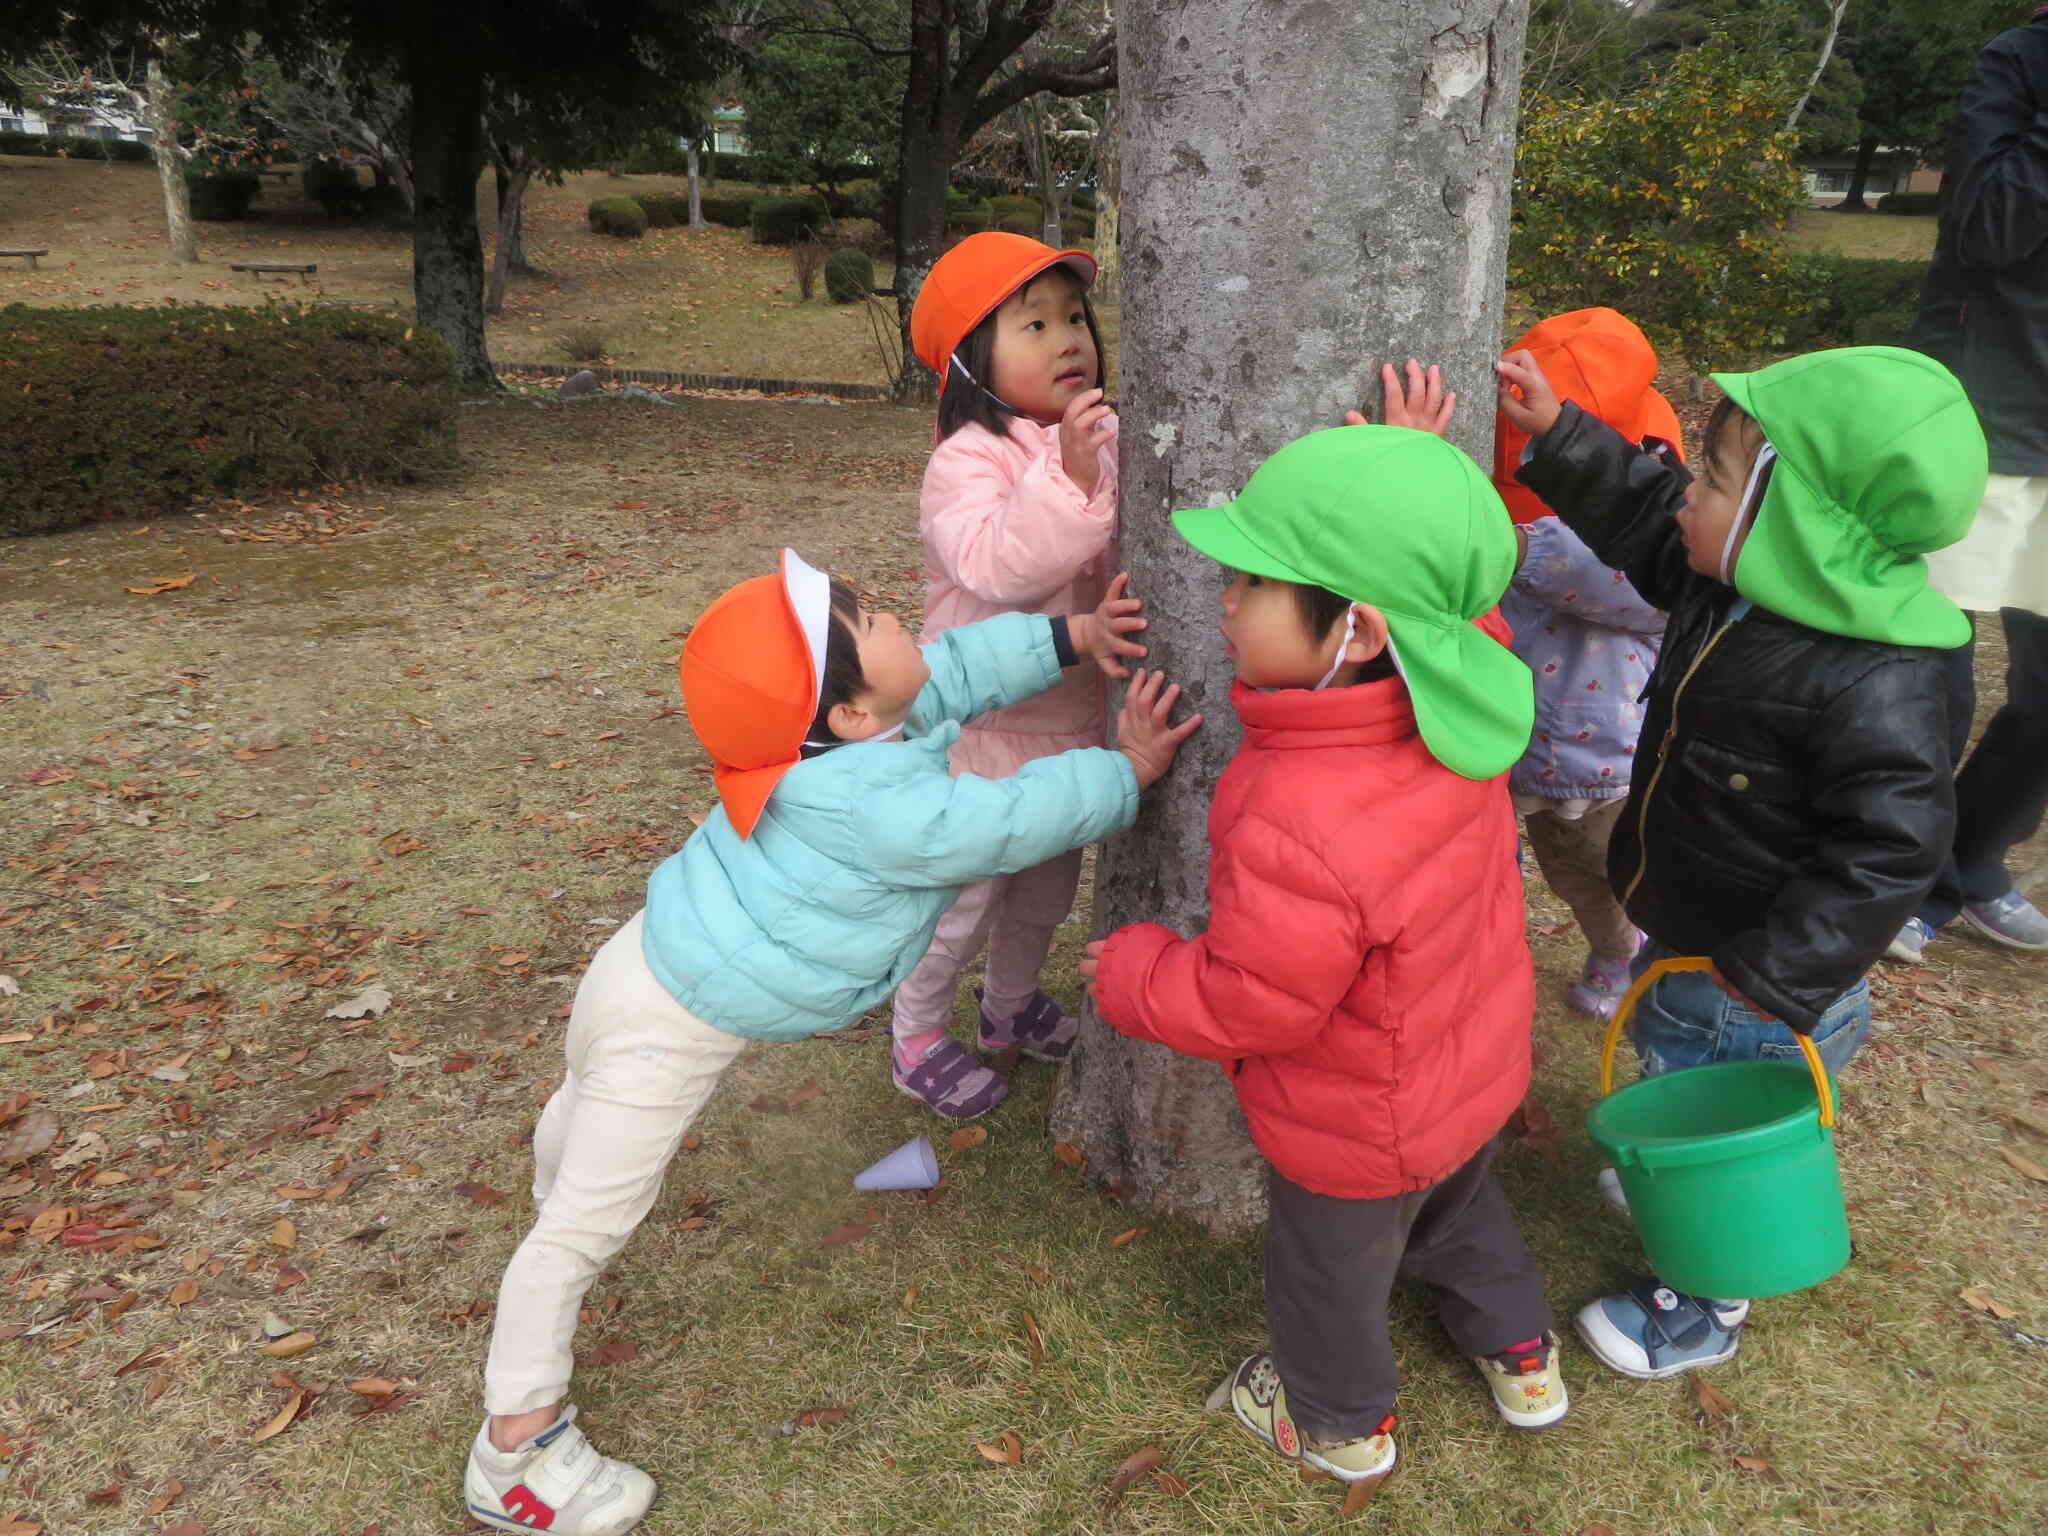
1005,531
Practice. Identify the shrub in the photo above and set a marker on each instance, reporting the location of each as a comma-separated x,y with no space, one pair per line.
1018,215
969,218
582,344
664,210
618,216
1831,300
659,158
52,146
1083,197
849,275
785,220
120,412
336,187
807,260
1915,204
386,206
1667,203
863,200
732,212
222,194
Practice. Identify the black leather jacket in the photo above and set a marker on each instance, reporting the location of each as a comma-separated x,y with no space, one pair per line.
1791,799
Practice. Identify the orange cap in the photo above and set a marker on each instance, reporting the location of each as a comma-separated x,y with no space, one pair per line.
965,286
751,671
1601,361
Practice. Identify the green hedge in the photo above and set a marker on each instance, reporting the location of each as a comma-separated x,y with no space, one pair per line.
849,275
657,159
786,220
221,195
1914,204
732,212
120,412
1848,300
66,145
336,187
1018,214
664,210
969,218
618,216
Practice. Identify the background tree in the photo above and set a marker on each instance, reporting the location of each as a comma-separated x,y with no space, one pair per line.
1359,214
821,111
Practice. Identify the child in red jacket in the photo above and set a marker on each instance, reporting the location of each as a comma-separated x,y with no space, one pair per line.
1364,977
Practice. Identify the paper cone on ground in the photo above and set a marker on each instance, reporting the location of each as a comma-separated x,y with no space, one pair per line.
911,1166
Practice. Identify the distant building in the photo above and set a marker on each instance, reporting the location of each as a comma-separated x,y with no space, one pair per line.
1894,170
107,121
729,128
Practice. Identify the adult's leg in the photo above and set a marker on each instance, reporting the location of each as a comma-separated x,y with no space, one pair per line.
2003,789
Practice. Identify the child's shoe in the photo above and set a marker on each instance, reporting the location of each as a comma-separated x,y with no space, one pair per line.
1910,942
1611,1191
1527,1387
1043,1030
1603,979
1253,1392
554,1482
949,1080
1652,1331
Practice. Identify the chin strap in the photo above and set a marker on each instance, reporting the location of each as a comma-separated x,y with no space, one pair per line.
1350,630
1745,512
826,746
970,378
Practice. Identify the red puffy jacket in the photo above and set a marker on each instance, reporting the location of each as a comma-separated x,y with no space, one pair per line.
1365,977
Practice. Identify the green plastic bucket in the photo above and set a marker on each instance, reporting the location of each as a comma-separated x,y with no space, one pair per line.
1729,1169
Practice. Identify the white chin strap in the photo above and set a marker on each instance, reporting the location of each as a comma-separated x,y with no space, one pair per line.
1745,512
970,378
823,746
1350,630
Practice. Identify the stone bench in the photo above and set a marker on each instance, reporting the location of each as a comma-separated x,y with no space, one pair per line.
259,269
28,255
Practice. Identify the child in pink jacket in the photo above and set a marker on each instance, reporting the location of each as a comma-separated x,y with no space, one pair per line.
1018,514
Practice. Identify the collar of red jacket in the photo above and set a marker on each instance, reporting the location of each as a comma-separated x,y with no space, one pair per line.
1363,715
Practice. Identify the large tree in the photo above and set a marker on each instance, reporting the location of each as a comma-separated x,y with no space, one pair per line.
1305,197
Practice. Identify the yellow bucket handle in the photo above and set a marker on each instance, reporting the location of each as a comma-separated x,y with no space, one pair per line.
1644,982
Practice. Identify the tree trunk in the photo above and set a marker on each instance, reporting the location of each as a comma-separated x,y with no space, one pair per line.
1051,228
1360,216
1866,153
447,253
1827,51
696,190
511,198
1109,159
170,165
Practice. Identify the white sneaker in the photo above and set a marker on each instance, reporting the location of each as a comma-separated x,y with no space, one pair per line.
555,1482
1611,1190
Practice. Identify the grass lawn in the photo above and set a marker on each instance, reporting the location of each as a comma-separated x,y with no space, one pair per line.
427,741
1893,237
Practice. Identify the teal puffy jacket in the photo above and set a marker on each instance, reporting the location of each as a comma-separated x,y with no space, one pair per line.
818,916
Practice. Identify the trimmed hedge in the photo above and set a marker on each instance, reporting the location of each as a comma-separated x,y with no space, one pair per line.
969,218
1917,204
849,275
1018,214
618,216
732,212
664,210
222,195
336,187
118,412
1849,300
52,146
786,220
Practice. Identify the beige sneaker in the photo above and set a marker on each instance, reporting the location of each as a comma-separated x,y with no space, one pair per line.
555,1482
1526,1385
1253,1392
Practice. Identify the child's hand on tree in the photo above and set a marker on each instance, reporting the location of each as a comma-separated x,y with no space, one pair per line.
1142,732
1423,404
1526,397
1091,962
1085,425
1101,634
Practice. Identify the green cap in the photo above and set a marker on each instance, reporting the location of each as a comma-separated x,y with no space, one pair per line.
1406,522
1880,459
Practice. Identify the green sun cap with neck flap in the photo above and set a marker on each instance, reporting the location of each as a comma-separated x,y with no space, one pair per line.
1880,459
1408,523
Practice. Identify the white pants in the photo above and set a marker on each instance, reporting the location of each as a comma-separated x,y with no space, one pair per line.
1016,916
2002,562
641,1066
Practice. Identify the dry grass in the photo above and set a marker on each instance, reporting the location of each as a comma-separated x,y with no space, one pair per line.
1894,237
704,301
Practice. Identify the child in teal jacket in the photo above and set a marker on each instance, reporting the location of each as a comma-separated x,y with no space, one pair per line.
798,905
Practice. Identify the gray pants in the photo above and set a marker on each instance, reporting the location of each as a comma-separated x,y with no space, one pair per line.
1330,1269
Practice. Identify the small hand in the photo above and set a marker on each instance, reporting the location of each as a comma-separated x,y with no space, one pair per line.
1101,634
1526,398
1091,963
1423,404
1085,425
1142,732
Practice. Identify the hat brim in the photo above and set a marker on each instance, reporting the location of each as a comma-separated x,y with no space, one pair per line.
1213,531
744,792
1475,700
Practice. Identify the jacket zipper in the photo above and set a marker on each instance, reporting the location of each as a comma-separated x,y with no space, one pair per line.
1664,756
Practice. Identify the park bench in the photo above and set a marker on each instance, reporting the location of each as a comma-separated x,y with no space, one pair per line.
258,269
28,256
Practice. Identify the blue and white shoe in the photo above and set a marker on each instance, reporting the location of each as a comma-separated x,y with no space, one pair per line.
2012,920
1910,943
1651,1331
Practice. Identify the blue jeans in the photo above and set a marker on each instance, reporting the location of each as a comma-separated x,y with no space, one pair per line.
1687,1021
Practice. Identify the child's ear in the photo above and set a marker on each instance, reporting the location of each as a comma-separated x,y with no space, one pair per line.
849,722
1368,634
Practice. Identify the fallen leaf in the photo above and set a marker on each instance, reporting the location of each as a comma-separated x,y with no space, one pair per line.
1066,1152
167,584
1358,1495
183,1293
32,1133
156,1354
517,957
613,1352
282,1421
9,987
810,1418
840,1236
1036,1272
166,1498
804,1095
1931,1095
2027,1121
369,1003
967,1138
1708,1400
910,1297
1126,1237
1146,1458
111,1494
1759,1464
482,1194
692,1142
183,1528
2025,1164
1598,1528
1171,1483
91,1147
1007,1454
283,1234
11,1524
1984,1301
1036,1339
374,1386
291,1344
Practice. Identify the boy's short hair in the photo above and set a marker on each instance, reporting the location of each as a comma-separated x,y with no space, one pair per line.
1320,608
844,678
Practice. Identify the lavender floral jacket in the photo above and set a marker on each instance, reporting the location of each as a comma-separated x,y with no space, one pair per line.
1591,641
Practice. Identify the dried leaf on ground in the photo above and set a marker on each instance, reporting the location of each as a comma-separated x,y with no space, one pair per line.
1066,1152
374,1386
166,584
183,1293
1761,1464
165,1498
846,1232
910,1297
282,1421
482,1194
804,1094
1709,1401
1598,1528
613,1352
1037,1341
1984,1301
1036,1272
692,1142
812,1417
1171,1483
283,1234
2025,1165
369,1003
156,1354
184,1528
967,1138
32,1133
1128,1237
291,1344
90,1147
11,1524
1145,1459
1007,1453
1358,1495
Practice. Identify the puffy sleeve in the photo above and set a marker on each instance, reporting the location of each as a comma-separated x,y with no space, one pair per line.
979,667
1009,537
1562,572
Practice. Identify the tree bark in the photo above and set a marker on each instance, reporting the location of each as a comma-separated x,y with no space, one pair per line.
1358,216
511,198
1852,201
447,252
929,141
170,165
696,190
1827,51
1109,161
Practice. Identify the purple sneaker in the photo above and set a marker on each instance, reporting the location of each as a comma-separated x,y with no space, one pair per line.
1602,981
949,1080
1043,1030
